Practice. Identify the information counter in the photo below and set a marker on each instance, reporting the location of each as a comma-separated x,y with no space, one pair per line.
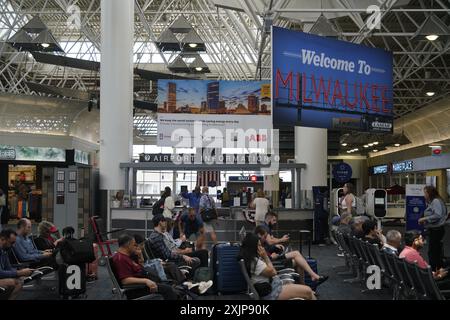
230,223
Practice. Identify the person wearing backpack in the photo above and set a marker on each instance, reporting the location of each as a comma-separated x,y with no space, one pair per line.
158,206
208,213
348,203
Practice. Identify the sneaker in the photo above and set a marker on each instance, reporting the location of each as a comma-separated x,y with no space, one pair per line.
204,286
191,285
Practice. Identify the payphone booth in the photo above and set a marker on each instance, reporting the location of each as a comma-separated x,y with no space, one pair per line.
336,197
376,204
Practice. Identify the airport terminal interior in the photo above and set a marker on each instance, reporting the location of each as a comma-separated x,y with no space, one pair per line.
224,149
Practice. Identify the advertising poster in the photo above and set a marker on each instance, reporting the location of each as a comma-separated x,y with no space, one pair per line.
326,83
221,105
21,153
415,206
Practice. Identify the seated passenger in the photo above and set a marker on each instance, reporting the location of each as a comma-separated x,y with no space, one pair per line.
129,272
413,243
372,234
26,251
9,276
299,261
160,249
393,242
356,225
191,228
180,247
48,237
262,273
268,225
344,224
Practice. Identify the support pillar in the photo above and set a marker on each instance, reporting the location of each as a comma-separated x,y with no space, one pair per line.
311,149
116,91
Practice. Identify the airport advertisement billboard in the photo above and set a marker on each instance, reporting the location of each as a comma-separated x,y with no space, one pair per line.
218,105
326,83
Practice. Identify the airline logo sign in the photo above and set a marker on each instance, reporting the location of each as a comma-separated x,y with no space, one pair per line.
326,83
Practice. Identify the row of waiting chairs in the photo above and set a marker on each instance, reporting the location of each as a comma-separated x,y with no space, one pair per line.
407,280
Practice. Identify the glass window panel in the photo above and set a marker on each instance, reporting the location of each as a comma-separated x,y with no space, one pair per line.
140,175
139,188
151,175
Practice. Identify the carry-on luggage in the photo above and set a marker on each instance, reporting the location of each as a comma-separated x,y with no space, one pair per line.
77,251
71,280
228,277
311,261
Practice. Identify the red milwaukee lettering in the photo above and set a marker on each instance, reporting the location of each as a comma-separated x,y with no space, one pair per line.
384,100
375,98
304,92
362,95
284,83
347,101
337,94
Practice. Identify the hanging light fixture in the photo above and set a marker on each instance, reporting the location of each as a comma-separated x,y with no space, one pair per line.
432,29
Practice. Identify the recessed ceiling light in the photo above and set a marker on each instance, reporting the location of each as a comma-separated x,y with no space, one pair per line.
45,45
375,143
432,37
366,146
192,45
374,150
430,93
370,144
356,149
344,144
397,144
199,68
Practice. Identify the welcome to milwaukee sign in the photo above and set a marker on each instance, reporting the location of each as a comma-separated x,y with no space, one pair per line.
327,83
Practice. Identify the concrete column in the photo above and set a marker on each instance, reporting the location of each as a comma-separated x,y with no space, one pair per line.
311,149
116,91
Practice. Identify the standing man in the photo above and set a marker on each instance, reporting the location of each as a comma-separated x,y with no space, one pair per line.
207,203
193,197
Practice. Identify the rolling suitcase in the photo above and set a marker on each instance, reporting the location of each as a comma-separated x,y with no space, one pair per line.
311,261
228,277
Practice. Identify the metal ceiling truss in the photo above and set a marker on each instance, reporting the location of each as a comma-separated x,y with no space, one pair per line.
237,42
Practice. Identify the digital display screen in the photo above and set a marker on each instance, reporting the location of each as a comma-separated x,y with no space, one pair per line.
402,166
379,201
380,169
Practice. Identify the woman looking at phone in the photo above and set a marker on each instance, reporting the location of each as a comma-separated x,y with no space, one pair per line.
263,274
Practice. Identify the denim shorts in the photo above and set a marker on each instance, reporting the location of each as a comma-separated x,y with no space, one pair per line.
277,287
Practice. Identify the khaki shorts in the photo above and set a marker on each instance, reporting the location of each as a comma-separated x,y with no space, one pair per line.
210,226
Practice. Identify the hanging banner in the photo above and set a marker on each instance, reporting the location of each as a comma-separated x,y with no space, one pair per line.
415,206
241,107
326,83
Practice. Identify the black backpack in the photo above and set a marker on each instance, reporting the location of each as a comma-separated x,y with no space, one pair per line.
158,207
77,251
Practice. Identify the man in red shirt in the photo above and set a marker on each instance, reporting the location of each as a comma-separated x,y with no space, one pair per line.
413,243
129,272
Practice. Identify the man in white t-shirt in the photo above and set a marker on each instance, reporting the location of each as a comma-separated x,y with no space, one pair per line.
261,206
